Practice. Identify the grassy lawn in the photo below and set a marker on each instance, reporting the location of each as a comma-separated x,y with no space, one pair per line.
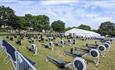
106,63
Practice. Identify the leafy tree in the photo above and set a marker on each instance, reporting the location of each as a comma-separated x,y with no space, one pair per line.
36,22
22,22
58,26
68,28
16,23
28,18
107,28
41,22
7,16
94,30
85,27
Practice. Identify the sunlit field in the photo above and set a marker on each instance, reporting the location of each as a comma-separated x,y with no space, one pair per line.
106,63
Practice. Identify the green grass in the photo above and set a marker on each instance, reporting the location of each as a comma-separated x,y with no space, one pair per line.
107,63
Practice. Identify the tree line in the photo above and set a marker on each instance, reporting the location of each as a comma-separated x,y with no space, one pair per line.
8,19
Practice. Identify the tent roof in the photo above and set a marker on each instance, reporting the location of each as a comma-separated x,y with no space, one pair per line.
81,32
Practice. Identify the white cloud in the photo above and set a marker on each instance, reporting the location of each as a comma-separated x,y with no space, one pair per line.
26,2
55,2
73,15
102,4
8,0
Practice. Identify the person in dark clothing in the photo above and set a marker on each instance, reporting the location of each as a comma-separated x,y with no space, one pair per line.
87,45
73,41
71,50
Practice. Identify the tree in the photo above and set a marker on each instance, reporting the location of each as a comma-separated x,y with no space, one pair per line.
68,28
16,23
107,28
94,30
7,16
28,18
58,26
41,22
22,23
85,27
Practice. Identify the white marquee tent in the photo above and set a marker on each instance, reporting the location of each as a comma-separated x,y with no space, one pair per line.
83,33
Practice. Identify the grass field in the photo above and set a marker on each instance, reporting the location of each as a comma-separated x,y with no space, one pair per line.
106,63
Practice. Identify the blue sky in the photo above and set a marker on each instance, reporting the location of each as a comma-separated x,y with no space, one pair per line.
72,12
